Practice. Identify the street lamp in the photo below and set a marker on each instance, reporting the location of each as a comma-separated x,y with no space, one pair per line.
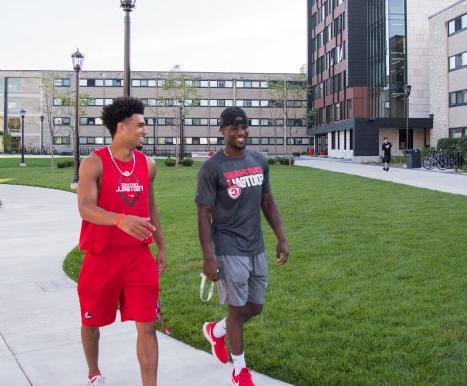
42,132
127,6
180,108
22,163
77,58
407,89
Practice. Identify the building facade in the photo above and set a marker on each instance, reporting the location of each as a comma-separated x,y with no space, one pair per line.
362,55
448,71
276,119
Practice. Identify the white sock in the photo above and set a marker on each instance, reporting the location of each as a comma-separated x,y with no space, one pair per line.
220,329
238,362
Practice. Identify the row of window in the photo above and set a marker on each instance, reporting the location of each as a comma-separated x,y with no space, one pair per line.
334,84
458,61
336,139
328,33
457,25
329,59
153,102
65,82
92,121
188,140
325,10
334,112
458,98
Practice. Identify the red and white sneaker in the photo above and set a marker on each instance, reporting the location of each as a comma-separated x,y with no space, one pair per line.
96,380
218,347
243,378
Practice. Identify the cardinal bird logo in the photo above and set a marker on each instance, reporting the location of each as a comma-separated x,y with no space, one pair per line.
234,191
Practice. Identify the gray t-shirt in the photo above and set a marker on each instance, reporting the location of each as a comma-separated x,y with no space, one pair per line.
234,188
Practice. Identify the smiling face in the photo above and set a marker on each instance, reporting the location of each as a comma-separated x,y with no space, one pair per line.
132,130
235,136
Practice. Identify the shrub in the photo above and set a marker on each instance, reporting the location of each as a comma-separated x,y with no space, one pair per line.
65,163
285,160
170,162
188,162
447,143
272,161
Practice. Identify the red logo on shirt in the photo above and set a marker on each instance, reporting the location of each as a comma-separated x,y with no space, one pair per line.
234,191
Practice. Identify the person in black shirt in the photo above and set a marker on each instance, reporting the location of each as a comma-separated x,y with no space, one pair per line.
386,147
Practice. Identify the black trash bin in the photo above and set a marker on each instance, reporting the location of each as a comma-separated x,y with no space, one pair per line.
414,159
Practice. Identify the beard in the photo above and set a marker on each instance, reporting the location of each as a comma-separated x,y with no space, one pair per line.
139,147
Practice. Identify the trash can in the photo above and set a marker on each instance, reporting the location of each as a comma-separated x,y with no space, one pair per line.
414,159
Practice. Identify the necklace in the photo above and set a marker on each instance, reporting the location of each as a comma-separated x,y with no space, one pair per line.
126,173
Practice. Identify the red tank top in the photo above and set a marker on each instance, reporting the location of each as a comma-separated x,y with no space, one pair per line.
118,193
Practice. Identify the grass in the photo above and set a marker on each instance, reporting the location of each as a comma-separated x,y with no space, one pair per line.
375,292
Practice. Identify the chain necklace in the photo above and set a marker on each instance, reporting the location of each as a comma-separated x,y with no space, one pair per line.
126,173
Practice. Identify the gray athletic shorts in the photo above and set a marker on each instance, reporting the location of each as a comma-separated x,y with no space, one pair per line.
242,279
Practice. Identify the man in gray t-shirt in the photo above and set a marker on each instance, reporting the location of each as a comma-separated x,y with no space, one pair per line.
232,189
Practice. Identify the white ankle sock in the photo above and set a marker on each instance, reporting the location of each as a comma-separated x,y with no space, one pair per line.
238,362
220,329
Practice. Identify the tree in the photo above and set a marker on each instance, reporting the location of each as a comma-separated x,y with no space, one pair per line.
7,142
63,107
178,88
287,96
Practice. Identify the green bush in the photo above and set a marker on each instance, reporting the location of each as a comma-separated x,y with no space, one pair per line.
65,163
272,161
188,162
170,162
285,160
447,143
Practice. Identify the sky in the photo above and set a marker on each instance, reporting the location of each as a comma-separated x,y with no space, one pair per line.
199,35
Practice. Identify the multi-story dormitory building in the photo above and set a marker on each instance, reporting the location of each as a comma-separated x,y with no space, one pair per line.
214,91
361,54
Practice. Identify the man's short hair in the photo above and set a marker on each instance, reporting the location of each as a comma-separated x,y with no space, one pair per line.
119,110
385,138
233,116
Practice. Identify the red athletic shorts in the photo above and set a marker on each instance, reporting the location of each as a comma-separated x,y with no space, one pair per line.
126,276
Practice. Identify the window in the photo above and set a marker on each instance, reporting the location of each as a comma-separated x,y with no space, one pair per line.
457,25
458,61
458,132
61,140
99,140
61,121
333,140
213,122
458,98
62,82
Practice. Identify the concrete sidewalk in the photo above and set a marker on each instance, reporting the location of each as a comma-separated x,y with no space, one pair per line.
448,182
40,318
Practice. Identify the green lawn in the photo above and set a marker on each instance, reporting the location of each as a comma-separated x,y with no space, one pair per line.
375,292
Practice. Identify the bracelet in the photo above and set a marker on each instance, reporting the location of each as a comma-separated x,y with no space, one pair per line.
119,219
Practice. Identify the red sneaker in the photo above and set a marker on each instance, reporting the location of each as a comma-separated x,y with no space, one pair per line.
243,378
219,349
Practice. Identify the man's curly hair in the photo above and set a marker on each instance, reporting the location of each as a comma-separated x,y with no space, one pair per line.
119,110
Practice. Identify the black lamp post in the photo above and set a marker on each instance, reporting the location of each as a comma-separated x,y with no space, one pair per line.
42,132
77,59
22,163
180,107
407,89
127,6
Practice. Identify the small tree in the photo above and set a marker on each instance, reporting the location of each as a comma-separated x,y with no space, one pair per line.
65,108
178,88
7,147
284,94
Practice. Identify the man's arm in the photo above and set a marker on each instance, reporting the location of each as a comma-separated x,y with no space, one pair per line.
271,213
210,268
90,173
157,235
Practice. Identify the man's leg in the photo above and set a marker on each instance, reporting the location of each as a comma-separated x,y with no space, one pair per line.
90,339
147,351
236,318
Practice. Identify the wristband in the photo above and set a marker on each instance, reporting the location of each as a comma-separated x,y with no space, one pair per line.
119,219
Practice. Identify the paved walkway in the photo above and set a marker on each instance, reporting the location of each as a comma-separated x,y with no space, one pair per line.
39,316
448,182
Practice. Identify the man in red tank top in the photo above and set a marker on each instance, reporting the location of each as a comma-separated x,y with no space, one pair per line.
120,220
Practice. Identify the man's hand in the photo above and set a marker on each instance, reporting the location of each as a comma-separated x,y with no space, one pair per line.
282,253
161,260
211,269
138,227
